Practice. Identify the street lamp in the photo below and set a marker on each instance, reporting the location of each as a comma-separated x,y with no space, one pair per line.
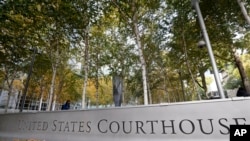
195,4
201,44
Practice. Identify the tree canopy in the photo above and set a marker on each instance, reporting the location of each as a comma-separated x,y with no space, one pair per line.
152,45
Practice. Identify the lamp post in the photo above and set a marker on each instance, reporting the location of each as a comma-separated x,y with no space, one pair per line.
195,4
28,79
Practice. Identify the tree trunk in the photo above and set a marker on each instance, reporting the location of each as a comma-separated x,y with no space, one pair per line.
244,11
40,102
86,66
10,85
54,103
97,78
19,99
140,49
203,80
165,86
242,72
150,99
97,89
8,101
41,94
188,65
182,86
117,90
52,87
2,84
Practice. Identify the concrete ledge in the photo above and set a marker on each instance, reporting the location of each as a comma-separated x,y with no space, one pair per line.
198,120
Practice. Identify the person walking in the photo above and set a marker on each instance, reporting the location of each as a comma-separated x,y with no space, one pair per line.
66,106
242,92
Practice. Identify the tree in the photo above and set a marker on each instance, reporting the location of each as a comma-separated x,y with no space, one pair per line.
132,14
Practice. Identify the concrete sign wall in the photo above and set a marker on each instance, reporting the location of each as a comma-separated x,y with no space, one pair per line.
206,120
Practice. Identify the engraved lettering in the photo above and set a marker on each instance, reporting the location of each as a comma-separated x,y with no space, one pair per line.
39,125
66,128
201,127
73,124
60,125
54,125
238,122
171,126
45,126
100,124
152,125
34,125
88,127
139,126
81,126
188,121
114,127
130,127
223,125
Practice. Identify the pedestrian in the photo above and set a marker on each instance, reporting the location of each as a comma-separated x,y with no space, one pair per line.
242,92
66,106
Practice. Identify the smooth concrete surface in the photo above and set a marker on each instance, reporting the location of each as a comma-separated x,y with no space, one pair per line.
200,120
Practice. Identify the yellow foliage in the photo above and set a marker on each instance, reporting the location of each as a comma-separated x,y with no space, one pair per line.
104,94
18,84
